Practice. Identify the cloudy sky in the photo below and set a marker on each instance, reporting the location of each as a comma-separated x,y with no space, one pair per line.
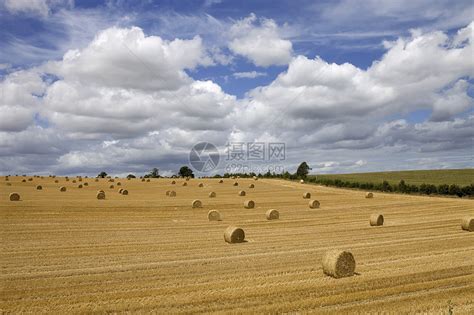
124,86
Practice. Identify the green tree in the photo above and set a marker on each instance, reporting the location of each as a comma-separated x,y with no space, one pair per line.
185,171
131,176
102,175
303,170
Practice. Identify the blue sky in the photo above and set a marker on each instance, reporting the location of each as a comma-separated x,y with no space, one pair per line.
348,44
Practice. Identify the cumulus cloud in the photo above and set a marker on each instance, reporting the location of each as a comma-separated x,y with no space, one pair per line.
260,42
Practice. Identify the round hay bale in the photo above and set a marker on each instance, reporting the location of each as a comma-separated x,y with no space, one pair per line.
30,179
96,180
221,181
251,186
376,219
74,181
111,180
39,187
120,190
369,195
173,183
62,189
255,178
172,193
111,186
234,235
306,195
201,185
80,179
242,193
86,184
143,179
119,184
100,195
236,184
9,184
301,181
67,179
148,180
79,186
467,224
272,214
212,194
338,263
14,196
249,204
214,215
187,179
56,181
197,203
185,184
167,193
125,192
23,181
314,204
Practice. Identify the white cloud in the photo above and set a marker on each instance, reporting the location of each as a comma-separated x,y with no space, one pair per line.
36,7
261,43
248,74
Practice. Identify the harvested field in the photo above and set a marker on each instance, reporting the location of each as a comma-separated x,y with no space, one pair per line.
67,252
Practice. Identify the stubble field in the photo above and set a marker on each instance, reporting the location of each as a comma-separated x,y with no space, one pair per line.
64,252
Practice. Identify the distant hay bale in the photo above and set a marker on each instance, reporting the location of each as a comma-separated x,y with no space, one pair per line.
23,181
212,194
86,184
251,186
62,189
255,178
125,192
301,181
100,195
236,184
234,235
376,219
306,195
238,177
111,186
232,177
120,190
172,193
74,181
221,181
197,203
119,184
467,224
14,196
79,186
143,179
272,214
173,183
338,263
249,204
148,180
242,193
7,179
201,185
129,178
67,179
185,184
313,204
96,180
56,181
30,179
167,193
187,178
111,180
39,187
80,179
369,195
214,215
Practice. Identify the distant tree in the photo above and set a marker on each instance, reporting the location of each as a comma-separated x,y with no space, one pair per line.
155,173
303,170
185,171
102,175
131,176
